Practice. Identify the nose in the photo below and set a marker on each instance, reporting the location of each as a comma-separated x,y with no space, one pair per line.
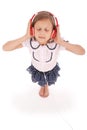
42,32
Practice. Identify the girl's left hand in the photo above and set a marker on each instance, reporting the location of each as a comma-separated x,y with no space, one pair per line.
58,38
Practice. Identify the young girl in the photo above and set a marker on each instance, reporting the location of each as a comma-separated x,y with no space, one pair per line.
44,42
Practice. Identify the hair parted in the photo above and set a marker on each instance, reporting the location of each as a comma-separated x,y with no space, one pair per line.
44,15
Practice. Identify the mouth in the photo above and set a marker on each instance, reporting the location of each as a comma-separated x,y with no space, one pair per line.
41,37
42,40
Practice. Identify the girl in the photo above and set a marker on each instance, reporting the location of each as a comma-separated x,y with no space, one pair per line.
44,42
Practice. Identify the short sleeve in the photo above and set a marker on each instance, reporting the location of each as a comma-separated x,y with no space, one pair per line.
26,43
61,47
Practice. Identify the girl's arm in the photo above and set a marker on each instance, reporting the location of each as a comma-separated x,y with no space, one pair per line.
75,48
14,44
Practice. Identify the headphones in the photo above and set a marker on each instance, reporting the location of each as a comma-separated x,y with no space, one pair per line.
53,35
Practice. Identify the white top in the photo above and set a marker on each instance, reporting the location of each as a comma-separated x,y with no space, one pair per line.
43,57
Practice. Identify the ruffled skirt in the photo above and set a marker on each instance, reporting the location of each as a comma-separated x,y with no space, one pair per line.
43,78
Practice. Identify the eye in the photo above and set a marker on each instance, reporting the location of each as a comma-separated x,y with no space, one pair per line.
38,29
47,30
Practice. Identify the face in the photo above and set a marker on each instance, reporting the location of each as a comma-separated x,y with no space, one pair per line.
43,30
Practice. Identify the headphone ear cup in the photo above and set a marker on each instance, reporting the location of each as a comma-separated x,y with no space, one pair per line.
31,31
53,35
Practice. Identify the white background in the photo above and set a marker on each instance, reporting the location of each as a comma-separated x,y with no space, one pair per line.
21,108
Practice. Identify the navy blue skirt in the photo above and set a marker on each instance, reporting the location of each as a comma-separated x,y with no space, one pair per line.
43,78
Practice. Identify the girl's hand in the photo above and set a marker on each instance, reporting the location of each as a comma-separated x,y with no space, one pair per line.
58,38
28,33
75,48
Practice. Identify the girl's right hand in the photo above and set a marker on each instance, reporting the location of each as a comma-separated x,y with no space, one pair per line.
28,33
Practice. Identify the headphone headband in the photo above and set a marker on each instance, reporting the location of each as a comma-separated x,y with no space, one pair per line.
55,19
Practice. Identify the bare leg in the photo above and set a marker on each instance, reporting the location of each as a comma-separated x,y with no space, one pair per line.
46,91
42,90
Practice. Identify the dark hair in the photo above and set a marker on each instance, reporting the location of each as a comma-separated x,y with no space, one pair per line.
44,15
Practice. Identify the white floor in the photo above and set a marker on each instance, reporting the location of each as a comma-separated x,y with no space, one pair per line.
21,108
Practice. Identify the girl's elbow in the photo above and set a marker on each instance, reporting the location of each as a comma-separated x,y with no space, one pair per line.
82,51
4,48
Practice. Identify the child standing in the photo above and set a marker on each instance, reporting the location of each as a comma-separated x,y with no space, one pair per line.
44,42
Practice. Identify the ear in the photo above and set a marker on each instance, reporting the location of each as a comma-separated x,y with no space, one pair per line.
53,35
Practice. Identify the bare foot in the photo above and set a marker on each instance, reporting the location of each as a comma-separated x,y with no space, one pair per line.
46,91
41,92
